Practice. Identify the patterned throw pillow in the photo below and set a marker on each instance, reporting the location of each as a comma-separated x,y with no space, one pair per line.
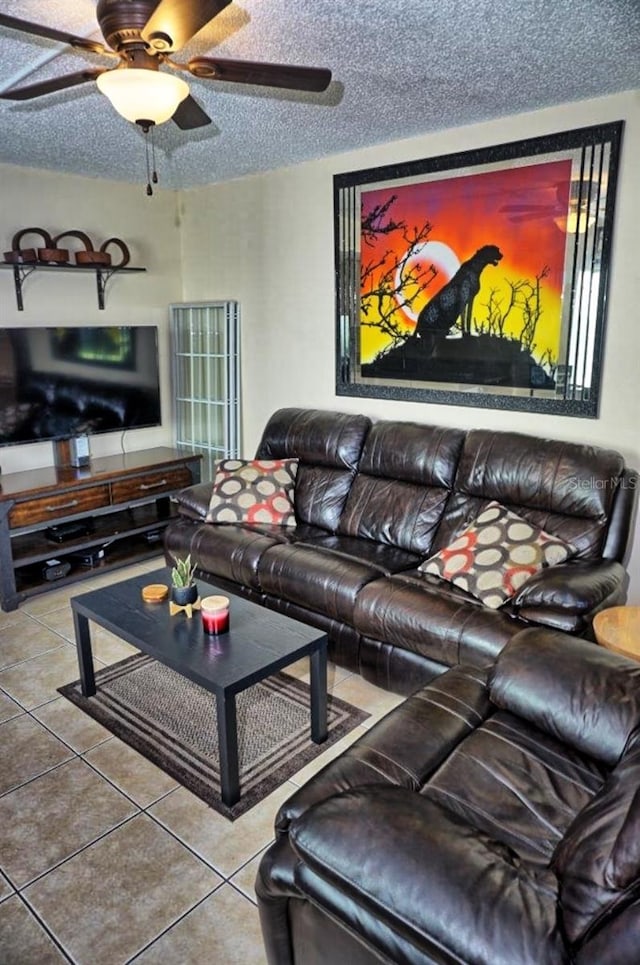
496,554
255,491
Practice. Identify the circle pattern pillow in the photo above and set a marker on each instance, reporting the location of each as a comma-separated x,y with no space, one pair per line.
496,555
254,491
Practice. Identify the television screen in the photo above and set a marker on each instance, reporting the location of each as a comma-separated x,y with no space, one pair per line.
63,381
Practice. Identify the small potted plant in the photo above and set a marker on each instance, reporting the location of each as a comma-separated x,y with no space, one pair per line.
184,589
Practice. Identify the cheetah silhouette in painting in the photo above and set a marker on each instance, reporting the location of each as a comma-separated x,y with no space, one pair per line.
455,300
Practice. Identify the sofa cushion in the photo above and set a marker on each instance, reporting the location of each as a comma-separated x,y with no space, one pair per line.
328,446
420,613
254,491
230,552
517,784
565,488
403,482
316,437
397,868
317,579
598,861
494,556
406,747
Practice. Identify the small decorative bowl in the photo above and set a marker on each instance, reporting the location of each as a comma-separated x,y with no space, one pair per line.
86,255
53,256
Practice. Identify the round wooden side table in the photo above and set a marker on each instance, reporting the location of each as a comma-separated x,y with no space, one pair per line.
618,628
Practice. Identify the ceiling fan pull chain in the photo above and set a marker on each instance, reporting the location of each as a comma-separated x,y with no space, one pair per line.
154,175
146,153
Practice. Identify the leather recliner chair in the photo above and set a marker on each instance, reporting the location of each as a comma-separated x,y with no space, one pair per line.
493,818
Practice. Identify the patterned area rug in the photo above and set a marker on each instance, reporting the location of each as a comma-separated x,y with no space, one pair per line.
172,722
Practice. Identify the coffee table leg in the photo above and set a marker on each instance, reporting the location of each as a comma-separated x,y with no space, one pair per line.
318,661
85,657
228,749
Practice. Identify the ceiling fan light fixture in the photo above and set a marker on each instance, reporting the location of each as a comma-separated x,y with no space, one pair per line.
145,94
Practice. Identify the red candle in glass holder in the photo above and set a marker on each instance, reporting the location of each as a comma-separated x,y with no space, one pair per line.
215,614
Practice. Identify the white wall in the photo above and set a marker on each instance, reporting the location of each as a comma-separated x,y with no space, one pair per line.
267,241
102,209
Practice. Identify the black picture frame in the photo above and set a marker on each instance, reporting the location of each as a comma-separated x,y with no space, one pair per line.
479,278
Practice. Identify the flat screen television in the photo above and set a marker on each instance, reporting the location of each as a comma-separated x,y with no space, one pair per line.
57,382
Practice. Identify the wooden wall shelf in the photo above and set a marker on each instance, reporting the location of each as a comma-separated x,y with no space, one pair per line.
102,272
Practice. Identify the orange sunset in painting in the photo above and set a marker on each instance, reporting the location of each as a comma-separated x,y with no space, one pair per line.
415,237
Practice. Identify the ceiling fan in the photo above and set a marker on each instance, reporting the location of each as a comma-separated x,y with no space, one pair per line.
141,35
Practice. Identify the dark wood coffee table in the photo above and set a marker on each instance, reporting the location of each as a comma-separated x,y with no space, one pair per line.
259,643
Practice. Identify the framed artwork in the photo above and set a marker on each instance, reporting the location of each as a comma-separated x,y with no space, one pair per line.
479,278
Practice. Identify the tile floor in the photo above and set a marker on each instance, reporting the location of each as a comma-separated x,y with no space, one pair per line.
103,858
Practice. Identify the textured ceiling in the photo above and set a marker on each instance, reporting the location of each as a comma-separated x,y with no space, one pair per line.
399,69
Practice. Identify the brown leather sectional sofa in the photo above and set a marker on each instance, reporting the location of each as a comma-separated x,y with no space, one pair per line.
493,818
373,500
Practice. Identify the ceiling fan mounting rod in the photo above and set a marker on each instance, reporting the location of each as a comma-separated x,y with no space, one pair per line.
136,55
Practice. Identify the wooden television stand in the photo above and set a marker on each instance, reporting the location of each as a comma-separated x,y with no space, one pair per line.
121,505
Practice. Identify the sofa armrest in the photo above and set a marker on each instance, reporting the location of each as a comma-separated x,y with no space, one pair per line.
193,502
567,596
580,693
274,886
419,883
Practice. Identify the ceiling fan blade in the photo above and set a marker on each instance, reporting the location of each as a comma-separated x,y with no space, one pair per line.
51,85
190,115
82,43
268,75
174,22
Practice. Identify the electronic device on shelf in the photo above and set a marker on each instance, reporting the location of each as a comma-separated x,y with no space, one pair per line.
80,455
55,569
74,529
89,557
72,453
